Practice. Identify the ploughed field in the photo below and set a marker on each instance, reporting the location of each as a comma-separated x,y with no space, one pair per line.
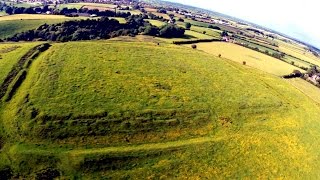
141,110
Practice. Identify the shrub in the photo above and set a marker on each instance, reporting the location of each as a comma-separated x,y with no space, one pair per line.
194,46
151,30
188,25
171,31
214,27
180,20
204,32
47,174
5,172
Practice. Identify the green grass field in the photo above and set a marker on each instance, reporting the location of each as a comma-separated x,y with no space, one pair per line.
196,23
32,16
156,22
70,6
299,52
214,33
307,88
10,25
9,28
253,59
9,56
139,110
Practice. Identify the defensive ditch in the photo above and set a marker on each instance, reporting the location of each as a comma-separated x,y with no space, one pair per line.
20,69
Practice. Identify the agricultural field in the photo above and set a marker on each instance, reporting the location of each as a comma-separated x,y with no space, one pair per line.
189,35
12,27
111,6
211,32
196,23
252,58
32,16
143,108
117,109
156,22
299,52
307,88
2,13
70,6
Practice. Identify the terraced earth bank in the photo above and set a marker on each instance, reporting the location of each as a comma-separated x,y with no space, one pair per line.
141,110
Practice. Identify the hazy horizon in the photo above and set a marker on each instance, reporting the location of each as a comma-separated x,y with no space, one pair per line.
297,19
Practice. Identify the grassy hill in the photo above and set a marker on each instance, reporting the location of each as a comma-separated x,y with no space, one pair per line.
135,109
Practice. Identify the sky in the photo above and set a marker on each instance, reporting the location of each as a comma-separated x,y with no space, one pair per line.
296,18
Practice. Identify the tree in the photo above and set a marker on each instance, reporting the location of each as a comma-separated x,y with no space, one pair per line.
214,27
151,30
180,20
188,25
224,34
170,31
9,10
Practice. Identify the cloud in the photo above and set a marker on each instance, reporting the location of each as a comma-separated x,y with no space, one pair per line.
295,18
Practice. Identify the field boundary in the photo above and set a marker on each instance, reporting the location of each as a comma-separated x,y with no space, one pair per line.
195,41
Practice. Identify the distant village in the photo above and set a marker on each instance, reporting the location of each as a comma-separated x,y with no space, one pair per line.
129,3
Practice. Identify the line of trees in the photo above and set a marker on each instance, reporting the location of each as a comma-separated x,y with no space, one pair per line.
65,11
103,28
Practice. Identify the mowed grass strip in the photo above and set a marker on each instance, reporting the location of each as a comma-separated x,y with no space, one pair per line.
252,58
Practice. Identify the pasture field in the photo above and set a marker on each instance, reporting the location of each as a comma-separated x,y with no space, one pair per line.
299,52
111,6
117,109
2,13
12,27
165,16
307,88
32,16
253,59
196,23
27,5
211,32
70,6
156,22
189,35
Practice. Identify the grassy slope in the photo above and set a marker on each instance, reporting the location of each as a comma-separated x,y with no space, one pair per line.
251,124
10,54
253,58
